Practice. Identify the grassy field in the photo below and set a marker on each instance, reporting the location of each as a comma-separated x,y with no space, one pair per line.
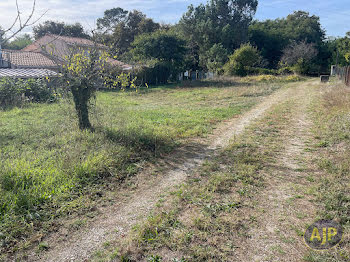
205,219
332,131
50,169
213,216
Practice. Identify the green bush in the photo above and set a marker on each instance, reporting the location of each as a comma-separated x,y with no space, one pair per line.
37,90
242,60
157,74
10,93
15,92
285,70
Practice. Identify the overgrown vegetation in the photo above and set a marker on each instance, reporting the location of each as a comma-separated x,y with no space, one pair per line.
205,220
17,92
243,60
332,131
49,168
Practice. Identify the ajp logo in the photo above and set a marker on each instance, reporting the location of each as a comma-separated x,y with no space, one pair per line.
323,234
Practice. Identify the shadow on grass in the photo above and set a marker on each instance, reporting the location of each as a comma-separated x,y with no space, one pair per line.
139,140
167,152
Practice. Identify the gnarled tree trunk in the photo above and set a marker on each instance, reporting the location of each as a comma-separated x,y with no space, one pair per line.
81,97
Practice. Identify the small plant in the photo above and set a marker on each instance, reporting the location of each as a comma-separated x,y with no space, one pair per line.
83,74
43,246
179,260
125,258
154,258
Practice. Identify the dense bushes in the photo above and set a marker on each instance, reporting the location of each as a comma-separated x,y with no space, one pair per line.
158,74
164,54
243,61
16,92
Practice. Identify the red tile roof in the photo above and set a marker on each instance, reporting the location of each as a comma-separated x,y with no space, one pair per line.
117,63
58,47
76,41
27,59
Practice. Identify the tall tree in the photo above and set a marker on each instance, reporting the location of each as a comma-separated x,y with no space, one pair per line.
273,36
160,45
161,49
216,57
119,27
340,49
112,17
222,22
59,28
270,39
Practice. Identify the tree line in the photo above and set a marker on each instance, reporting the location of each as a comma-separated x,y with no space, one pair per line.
220,36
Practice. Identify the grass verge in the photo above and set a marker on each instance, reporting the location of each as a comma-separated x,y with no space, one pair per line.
332,131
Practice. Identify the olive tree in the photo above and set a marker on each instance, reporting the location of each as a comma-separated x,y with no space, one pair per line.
83,73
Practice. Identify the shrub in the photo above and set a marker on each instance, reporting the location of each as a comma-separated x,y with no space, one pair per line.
300,57
261,71
15,92
272,78
285,70
37,90
242,60
154,75
215,58
10,93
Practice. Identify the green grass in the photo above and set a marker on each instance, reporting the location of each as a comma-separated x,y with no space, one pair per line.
332,132
50,169
205,220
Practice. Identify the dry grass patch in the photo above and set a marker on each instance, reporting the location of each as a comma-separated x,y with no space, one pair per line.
332,130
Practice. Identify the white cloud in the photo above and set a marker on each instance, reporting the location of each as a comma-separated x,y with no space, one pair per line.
86,12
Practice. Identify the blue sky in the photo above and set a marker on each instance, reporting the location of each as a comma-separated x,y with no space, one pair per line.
335,15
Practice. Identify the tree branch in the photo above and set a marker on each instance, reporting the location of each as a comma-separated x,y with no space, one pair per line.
21,24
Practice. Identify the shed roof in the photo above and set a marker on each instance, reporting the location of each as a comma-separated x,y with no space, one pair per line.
27,73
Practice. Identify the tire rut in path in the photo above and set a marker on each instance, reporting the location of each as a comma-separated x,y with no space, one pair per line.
283,207
116,221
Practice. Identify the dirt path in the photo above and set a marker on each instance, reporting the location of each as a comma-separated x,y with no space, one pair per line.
285,207
132,207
